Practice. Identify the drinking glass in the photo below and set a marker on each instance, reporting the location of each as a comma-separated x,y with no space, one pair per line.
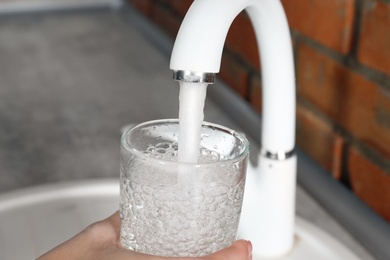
170,208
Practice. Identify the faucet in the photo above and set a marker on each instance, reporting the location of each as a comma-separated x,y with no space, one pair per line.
268,212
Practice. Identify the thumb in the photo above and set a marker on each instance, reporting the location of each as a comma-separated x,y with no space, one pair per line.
240,250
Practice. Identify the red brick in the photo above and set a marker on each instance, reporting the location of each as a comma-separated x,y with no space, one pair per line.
380,129
145,6
255,97
340,93
350,100
337,163
370,183
374,45
328,22
181,6
235,75
241,40
318,139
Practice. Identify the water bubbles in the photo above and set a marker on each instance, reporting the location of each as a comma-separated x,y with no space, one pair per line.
147,189
164,145
204,136
179,220
218,190
209,156
161,151
197,199
150,149
169,151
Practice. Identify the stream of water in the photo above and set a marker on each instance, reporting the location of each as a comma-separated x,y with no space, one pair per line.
192,97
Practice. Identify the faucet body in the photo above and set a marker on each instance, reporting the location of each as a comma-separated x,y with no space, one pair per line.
267,217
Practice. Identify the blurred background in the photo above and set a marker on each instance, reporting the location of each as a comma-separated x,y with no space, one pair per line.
74,73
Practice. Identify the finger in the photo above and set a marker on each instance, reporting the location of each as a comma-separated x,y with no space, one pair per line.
115,221
240,250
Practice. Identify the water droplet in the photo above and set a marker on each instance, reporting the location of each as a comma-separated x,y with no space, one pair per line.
161,151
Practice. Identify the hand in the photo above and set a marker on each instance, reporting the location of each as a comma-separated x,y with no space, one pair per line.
101,241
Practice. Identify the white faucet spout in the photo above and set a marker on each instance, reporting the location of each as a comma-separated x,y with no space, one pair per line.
269,200
202,34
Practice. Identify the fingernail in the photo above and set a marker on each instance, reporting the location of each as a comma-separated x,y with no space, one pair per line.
249,247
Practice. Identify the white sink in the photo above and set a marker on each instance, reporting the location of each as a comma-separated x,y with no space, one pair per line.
34,220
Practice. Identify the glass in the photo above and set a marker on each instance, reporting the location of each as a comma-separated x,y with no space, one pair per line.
169,208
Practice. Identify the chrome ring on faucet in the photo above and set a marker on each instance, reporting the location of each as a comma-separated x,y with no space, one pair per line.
193,76
278,155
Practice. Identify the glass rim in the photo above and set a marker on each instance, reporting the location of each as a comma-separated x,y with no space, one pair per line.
125,144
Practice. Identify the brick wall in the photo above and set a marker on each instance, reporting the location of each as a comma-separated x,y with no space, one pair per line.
342,57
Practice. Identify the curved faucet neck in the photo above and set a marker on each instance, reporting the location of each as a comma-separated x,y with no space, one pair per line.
200,40
199,45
